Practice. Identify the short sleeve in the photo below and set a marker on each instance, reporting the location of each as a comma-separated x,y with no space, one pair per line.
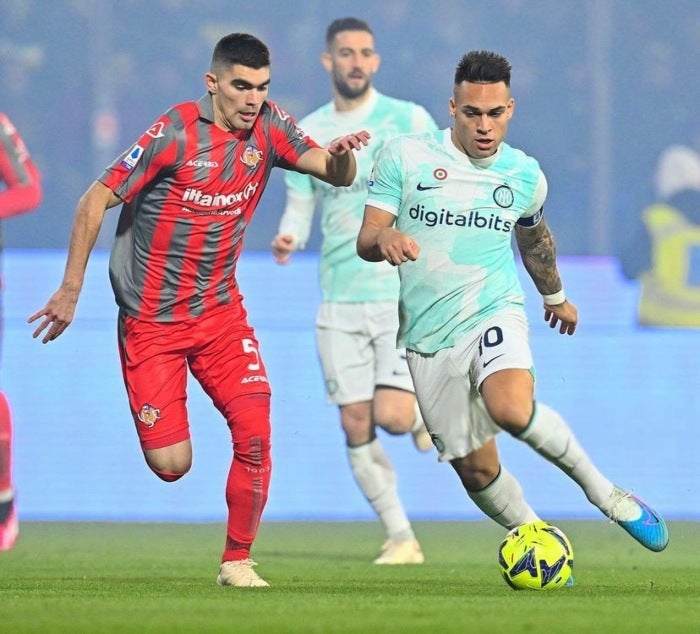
534,212
385,183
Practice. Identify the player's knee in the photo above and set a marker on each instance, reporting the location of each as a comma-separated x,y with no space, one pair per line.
248,418
356,421
476,473
394,424
394,410
167,476
170,472
170,463
511,415
393,420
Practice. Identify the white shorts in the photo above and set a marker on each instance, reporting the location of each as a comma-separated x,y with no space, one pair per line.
447,382
357,347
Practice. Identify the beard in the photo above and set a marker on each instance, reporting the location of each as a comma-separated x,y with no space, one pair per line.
350,93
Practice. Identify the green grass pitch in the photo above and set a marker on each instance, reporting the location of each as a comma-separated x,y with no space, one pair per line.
160,577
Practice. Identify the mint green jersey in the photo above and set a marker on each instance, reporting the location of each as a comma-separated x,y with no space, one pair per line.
461,213
345,277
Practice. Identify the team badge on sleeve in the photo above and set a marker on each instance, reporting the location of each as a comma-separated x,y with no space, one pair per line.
132,157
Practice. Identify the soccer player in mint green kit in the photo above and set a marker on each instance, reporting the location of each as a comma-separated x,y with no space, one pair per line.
365,375
442,206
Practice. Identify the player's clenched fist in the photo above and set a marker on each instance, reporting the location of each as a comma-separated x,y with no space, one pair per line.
396,247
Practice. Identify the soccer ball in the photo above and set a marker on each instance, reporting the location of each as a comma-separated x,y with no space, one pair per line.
536,556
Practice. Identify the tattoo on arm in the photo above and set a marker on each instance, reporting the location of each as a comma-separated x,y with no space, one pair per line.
539,255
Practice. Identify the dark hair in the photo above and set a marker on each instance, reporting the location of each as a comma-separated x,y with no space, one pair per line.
483,67
240,48
346,24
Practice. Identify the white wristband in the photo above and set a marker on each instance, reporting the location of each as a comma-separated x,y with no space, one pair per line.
555,298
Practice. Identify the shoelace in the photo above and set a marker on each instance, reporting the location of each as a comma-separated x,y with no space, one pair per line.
619,496
246,566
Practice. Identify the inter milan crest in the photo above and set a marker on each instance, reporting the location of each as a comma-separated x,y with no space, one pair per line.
503,196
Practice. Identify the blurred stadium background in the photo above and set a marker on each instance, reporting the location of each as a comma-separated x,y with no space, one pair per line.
603,88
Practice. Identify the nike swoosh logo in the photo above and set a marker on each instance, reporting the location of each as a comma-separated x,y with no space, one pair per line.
422,188
650,519
498,356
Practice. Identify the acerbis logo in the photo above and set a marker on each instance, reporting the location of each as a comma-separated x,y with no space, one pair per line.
473,219
198,163
254,378
503,196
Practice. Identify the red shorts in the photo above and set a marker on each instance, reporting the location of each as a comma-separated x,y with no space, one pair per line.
220,350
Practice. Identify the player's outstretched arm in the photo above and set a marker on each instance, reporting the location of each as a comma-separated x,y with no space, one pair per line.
60,309
378,240
538,252
336,164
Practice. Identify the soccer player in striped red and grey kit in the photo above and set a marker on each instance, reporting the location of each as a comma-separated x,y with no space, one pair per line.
189,187
21,192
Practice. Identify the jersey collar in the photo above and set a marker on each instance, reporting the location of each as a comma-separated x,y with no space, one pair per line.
206,110
358,114
476,162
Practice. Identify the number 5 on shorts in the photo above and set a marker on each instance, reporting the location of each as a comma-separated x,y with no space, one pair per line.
250,348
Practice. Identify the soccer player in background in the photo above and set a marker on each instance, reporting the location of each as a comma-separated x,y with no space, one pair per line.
188,188
442,206
21,192
356,324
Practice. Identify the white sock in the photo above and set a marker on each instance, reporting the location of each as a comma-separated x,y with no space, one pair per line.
550,436
503,501
376,478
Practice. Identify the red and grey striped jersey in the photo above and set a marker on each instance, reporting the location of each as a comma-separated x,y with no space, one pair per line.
21,190
189,190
